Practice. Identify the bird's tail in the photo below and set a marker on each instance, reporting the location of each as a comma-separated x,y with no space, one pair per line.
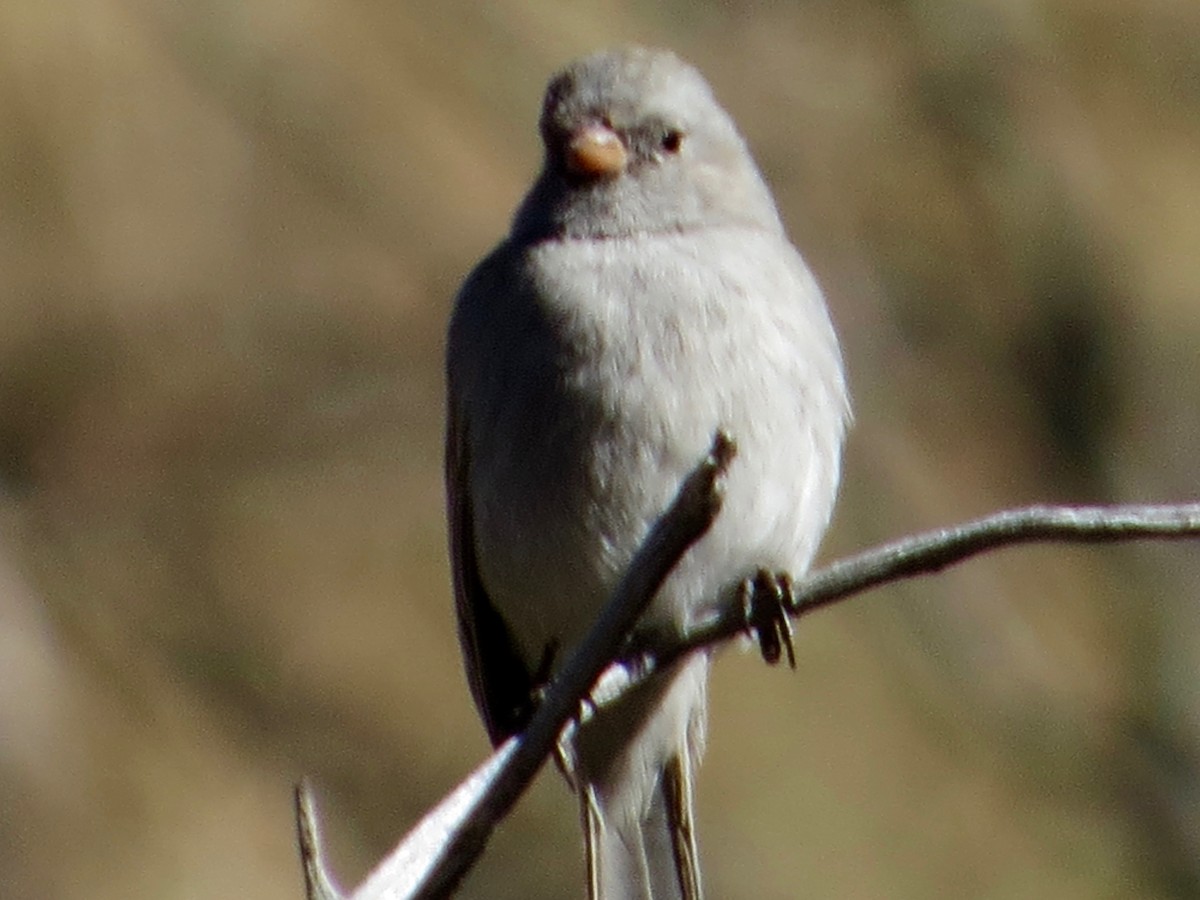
633,764
648,857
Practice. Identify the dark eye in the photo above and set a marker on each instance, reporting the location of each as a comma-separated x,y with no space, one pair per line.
672,140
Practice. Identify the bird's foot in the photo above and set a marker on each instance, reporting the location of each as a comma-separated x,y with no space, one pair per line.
766,599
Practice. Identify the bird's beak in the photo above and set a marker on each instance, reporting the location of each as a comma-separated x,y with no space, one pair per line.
595,151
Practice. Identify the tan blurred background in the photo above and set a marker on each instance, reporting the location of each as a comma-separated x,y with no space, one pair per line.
229,238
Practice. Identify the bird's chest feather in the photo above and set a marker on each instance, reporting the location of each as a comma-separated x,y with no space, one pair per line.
647,351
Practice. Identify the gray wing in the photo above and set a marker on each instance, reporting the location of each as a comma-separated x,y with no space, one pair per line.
500,680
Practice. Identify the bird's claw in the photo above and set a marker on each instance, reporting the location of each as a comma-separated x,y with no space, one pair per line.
766,600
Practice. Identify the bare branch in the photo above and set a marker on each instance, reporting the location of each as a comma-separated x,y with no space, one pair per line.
435,855
433,858
933,551
406,871
317,883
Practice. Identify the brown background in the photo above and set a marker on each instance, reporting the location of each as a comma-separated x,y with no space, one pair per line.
229,238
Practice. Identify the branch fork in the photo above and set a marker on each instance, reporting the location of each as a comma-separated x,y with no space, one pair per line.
435,855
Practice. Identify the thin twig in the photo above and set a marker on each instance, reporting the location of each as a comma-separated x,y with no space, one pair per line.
691,515
932,551
442,848
462,823
318,884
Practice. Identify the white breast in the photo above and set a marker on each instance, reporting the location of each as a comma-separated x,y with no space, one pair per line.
657,348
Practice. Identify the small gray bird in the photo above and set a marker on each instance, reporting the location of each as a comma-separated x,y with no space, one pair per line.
646,297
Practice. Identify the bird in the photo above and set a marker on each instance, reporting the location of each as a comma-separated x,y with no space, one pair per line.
646,297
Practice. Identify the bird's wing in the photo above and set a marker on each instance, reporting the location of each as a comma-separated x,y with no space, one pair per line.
500,680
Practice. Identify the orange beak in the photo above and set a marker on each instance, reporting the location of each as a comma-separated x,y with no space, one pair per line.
596,151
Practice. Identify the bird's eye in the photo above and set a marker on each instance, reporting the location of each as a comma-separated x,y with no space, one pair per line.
672,141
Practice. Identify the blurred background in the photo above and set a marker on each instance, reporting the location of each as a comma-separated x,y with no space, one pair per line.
230,234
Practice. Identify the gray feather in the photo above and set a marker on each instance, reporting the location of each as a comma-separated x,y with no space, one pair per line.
590,359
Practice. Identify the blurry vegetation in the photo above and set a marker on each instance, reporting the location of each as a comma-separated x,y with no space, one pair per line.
229,237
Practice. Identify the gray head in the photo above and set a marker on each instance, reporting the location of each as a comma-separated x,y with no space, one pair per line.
636,143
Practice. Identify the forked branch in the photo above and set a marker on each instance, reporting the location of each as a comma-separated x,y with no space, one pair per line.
435,855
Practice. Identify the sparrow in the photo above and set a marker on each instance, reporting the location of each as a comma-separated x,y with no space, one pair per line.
645,297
